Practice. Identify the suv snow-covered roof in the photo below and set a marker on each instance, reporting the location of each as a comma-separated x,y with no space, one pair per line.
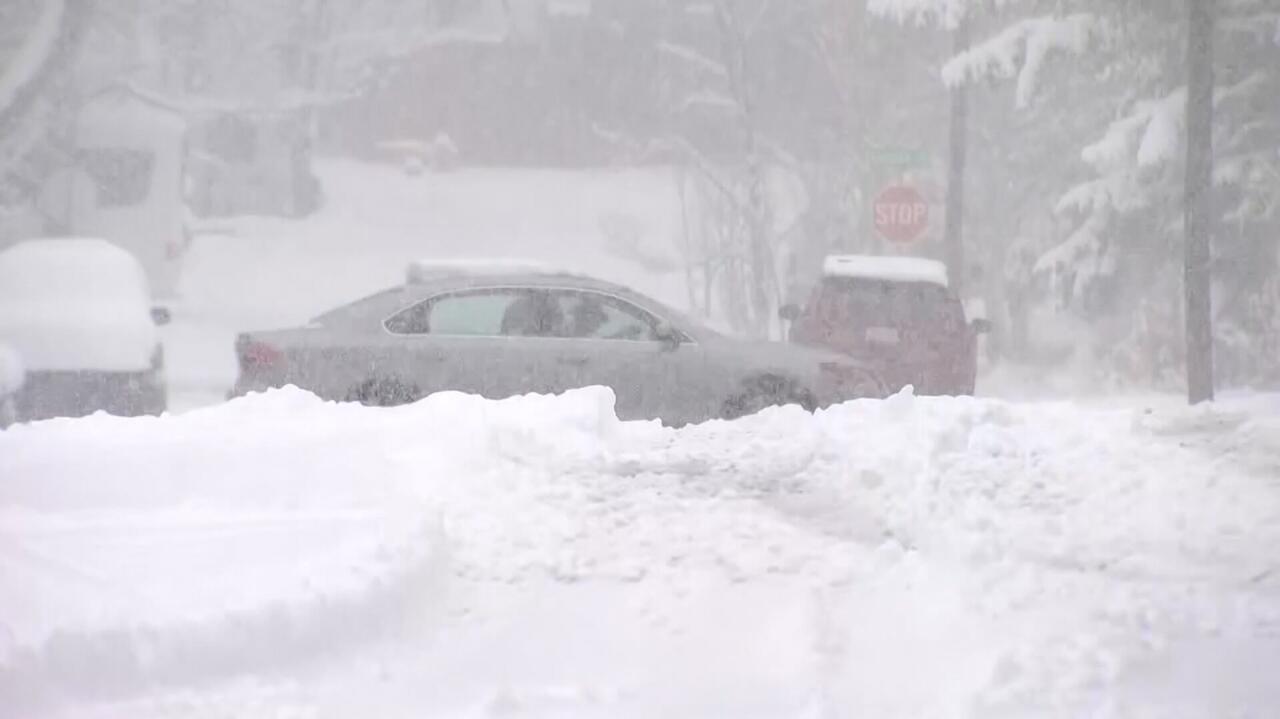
892,269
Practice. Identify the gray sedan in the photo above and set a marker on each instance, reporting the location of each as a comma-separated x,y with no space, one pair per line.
499,333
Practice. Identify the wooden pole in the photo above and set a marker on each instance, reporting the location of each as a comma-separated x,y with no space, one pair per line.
953,238
1198,207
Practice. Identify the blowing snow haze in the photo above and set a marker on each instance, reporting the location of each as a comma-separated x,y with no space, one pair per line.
635,358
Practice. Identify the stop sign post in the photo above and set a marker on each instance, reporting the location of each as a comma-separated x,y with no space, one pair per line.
901,213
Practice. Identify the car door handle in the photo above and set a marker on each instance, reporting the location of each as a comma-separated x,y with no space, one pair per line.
575,361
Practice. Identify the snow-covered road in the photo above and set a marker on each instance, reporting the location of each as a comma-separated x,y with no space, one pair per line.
914,557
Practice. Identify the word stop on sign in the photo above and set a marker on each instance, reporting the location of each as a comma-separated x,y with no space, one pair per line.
900,213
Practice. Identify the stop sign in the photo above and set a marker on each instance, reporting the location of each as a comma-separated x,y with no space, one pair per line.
901,214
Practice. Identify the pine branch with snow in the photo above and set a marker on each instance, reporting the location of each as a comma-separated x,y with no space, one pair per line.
1021,51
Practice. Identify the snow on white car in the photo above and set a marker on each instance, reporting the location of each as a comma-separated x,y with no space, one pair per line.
77,312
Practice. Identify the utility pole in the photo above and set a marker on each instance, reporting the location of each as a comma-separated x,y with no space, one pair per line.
953,237
1198,204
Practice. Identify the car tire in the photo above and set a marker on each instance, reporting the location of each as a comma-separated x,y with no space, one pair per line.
383,392
764,392
869,385
156,403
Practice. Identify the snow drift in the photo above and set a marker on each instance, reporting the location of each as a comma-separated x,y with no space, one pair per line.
907,557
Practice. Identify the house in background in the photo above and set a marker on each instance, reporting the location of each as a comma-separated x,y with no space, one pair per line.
250,161
122,180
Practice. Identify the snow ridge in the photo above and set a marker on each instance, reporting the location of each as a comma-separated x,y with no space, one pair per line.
1027,560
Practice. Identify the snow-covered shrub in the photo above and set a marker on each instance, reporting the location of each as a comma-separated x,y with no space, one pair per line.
1150,353
1247,341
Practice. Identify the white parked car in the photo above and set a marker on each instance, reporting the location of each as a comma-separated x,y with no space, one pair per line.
12,376
77,312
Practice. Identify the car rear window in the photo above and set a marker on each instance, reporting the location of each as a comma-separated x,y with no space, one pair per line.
871,302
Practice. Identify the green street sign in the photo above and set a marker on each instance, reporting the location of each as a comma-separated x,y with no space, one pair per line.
901,157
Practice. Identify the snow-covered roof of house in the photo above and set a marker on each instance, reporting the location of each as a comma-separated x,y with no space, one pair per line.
123,115
433,269
897,269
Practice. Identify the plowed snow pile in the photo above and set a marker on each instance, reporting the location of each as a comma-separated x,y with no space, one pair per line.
281,556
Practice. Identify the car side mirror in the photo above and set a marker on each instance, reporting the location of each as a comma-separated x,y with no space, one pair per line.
980,325
161,316
668,336
789,312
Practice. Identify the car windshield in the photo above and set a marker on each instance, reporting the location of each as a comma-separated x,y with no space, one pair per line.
900,359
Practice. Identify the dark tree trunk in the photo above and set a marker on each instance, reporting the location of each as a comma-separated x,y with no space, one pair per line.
953,238
1199,200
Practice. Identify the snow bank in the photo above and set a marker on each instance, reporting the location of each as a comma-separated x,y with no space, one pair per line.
176,550
1015,560
897,269
75,304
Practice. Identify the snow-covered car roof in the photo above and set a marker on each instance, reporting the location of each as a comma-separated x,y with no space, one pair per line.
75,303
420,271
72,267
894,269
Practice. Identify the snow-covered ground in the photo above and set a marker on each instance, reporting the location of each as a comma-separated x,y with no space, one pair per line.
277,556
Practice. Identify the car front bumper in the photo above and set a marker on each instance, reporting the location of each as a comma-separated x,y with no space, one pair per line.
47,394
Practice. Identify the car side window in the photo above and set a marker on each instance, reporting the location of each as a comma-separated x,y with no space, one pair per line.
591,315
526,312
479,313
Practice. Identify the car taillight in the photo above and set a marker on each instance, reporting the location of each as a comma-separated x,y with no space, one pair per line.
255,355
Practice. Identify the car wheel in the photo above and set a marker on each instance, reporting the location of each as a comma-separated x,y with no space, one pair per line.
764,392
868,385
383,392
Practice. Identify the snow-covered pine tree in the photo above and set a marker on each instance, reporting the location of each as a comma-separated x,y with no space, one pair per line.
1118,68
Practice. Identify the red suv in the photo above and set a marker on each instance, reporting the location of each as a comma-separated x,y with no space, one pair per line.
899,314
